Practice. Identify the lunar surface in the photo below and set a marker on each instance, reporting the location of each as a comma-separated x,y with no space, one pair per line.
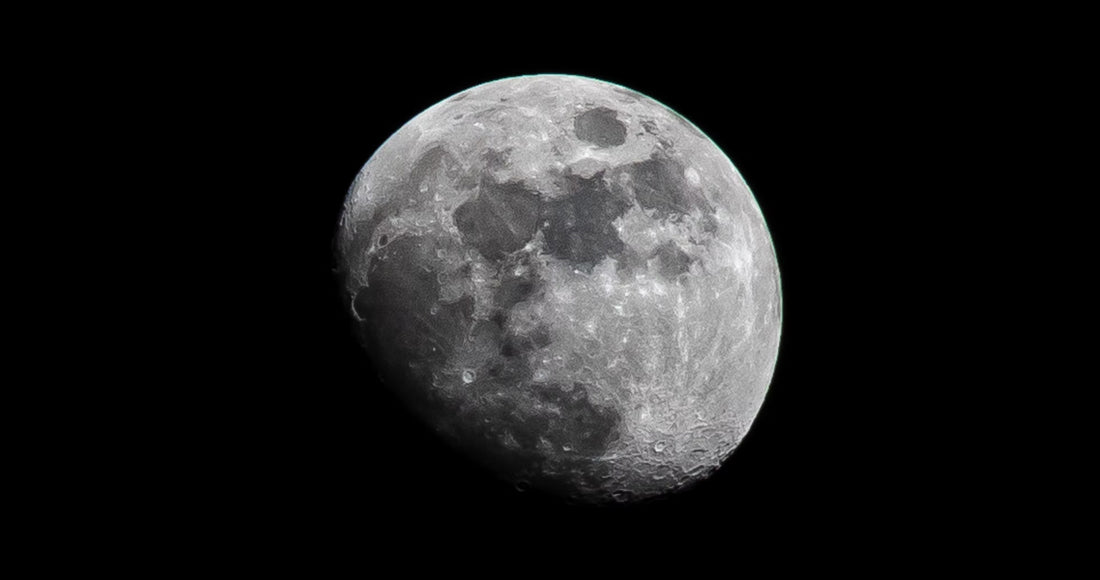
569,282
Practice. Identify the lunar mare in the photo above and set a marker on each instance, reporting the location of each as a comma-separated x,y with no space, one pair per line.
568,281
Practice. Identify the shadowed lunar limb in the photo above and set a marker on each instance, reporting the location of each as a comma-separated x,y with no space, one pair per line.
407,328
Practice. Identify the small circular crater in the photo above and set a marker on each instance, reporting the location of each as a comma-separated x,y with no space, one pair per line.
523,485
659,446
382,241
468,376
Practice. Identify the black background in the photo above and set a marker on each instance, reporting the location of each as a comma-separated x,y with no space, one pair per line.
294,444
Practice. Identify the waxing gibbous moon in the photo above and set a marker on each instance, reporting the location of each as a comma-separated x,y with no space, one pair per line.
567,281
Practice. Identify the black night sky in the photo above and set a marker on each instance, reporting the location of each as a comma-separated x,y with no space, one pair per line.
298,444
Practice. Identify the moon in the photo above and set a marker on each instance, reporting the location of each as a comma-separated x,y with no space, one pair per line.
569,282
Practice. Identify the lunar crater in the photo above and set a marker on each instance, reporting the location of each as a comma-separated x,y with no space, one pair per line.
600,126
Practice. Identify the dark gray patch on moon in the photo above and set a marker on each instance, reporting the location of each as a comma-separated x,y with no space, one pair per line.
659,185
586,428
403,318
514,290
579,227
496,159
516,287
501,218
627,262
600,126
536,425
671,260
434,165
710,223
